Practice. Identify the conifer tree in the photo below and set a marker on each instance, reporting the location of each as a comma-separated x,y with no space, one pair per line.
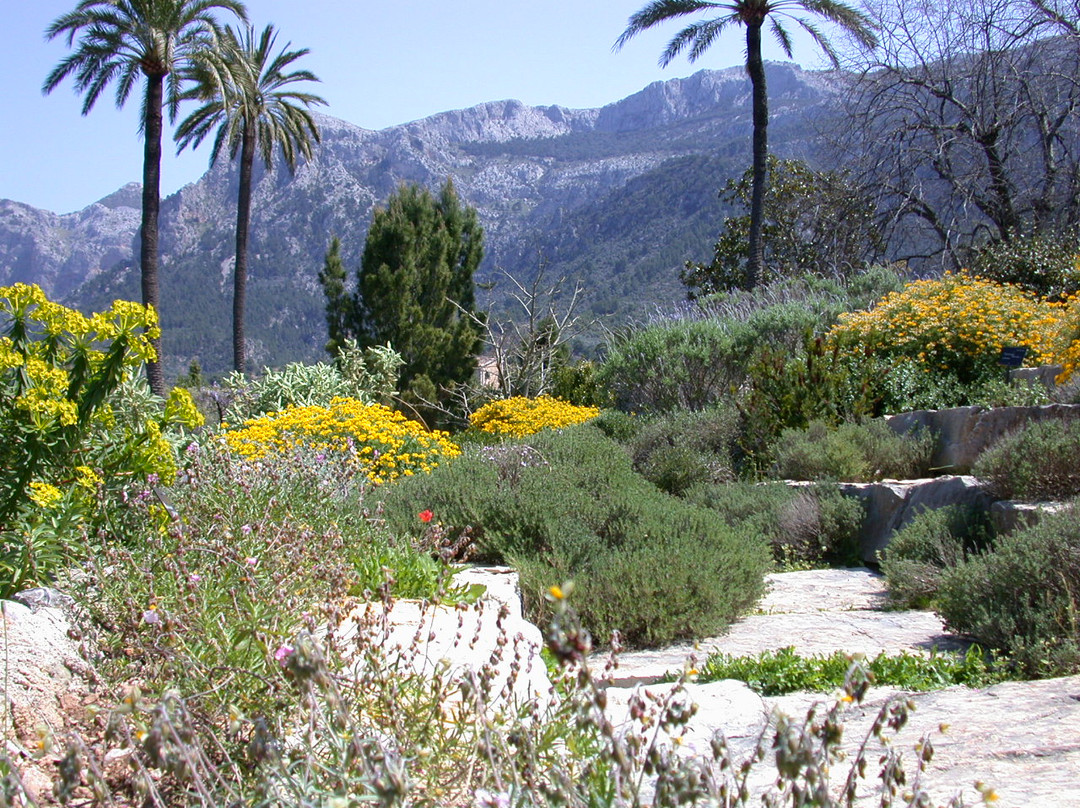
415,290
339,305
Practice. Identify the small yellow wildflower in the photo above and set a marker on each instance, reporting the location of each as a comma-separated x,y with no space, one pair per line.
44,495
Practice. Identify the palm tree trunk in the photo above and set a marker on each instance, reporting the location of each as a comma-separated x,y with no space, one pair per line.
151,205
243,219
756,68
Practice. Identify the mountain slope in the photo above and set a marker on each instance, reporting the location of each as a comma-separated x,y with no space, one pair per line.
615,199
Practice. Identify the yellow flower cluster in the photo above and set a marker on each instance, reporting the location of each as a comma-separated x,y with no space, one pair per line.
517,417
947,322
180,409
44,495
385,443
1067,341
45,340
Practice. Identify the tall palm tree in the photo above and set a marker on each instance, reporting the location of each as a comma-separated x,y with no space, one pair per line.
752,14
249,101
120,41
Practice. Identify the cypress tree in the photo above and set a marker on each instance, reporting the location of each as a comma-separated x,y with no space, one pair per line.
415,288
339,304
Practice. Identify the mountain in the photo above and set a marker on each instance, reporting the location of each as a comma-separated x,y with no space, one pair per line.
615,199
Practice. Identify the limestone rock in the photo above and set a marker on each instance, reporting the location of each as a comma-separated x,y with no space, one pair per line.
1007,515
1017,738
46,675
890,504
489,639
963,433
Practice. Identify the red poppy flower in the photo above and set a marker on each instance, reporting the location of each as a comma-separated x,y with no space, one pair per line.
425,516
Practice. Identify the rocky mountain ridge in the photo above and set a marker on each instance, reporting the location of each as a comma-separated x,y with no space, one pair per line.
615,198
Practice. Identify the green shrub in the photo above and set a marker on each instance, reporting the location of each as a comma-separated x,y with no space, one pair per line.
851,452
254,546
79,430
689,363
774,673
579,383
620,426
567,505
1022,596
790,392
803,526
369,376
1035,463
676,451
935,540
683,365
1044,265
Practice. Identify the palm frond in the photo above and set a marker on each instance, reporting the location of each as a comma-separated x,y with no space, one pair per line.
657,12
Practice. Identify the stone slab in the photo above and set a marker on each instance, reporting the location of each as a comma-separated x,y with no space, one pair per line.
817,612
488,640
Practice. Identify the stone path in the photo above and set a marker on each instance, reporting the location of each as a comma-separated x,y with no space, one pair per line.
817,612
1020,738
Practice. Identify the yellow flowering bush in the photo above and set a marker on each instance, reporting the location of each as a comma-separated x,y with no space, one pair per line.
63,443
956,324
1067,340
518,416
385,443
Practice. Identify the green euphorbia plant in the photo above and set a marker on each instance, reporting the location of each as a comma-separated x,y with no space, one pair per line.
74,435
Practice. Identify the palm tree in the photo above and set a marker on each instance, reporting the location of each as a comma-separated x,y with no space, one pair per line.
698,36
249,102
120,41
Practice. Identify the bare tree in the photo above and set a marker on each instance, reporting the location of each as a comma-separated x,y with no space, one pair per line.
964,120
528,349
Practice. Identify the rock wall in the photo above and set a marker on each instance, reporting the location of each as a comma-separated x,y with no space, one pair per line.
891,504
963,433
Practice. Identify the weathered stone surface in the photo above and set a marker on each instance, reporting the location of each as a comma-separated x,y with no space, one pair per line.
830,590
963,433
1018,738
46,674
1046,375
891,504
727,706
817,612
1007,515
488,639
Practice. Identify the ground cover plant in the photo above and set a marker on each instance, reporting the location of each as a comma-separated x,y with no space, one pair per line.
775,673
1035,463
1020,595
268,542
851,452
918,554
387,444
804,526
567,504
519,416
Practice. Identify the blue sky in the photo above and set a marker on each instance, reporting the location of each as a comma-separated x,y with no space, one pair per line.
381,63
